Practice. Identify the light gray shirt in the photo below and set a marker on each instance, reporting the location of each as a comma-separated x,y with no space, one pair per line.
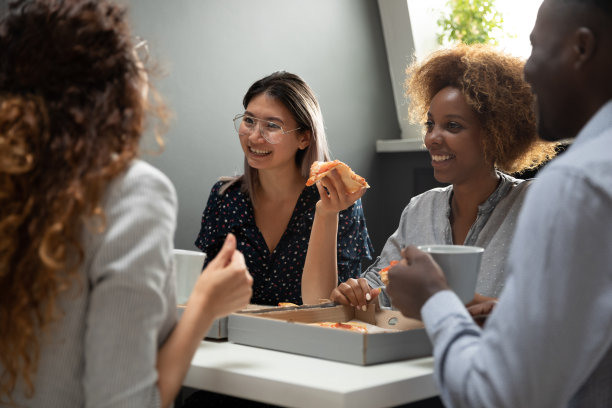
102,352
426,220
549,341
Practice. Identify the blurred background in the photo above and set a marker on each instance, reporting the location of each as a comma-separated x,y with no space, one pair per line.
208,52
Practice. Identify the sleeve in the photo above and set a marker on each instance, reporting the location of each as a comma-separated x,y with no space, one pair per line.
353,242
391,251
551,327
210,239
127,278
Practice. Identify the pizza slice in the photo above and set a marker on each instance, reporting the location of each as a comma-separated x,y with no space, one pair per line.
356,327
384,272
352,181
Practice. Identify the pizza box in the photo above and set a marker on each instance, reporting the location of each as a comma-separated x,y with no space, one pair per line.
390,336
218,329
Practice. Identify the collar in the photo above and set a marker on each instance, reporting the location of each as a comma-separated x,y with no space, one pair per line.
505,183
597,125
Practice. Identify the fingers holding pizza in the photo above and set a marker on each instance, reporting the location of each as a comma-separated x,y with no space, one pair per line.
338,185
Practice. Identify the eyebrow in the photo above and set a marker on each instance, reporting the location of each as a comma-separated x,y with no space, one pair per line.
269,118
452,115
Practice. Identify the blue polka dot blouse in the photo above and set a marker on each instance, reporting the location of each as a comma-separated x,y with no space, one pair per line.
277,276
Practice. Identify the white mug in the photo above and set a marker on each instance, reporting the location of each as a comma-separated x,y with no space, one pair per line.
187,268
461,264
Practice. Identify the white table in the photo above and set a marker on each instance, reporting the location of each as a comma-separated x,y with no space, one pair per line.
298,381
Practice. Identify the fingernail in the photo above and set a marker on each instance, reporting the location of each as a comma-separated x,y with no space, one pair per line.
368,297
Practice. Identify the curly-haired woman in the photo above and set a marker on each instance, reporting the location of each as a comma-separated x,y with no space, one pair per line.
87,297
479,124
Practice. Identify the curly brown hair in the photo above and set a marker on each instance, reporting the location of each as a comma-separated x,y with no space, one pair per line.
493,85
71,117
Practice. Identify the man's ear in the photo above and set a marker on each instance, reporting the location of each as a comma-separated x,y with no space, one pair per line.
584,47
304,139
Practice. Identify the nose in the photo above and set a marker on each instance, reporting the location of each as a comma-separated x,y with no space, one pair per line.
256,133
433,137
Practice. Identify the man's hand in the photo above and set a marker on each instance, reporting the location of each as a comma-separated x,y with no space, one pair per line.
413,281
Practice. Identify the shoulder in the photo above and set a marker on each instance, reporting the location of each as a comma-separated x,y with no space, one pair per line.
142,183
583,166
514,188
141,173
226,191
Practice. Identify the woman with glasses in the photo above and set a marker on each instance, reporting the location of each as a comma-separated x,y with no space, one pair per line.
479,123
87,296
282,226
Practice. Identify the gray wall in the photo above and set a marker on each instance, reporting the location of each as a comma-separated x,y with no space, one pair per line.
213,50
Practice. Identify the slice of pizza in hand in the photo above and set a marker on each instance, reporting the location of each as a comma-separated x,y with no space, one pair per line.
352,181
384,272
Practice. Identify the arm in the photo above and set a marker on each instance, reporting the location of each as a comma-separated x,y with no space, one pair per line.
555,303
223,287
131,300
320,275
131,308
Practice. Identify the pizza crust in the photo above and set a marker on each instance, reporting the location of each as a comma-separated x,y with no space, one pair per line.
351,180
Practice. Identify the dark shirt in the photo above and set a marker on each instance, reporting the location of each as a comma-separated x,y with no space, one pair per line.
277,276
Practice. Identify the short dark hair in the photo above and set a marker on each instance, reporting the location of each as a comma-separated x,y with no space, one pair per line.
605,5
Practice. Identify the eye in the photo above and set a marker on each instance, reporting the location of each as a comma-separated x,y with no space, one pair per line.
454,126
273,126
249,121
428,125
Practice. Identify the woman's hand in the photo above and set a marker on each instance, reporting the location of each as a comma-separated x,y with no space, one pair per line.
336,198
225,285
480,308
354,292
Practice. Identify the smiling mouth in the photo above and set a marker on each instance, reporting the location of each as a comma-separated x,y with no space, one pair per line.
441,158
259,152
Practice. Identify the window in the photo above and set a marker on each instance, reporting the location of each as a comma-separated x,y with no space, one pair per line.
410,30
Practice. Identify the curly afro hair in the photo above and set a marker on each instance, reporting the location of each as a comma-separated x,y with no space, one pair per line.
493,85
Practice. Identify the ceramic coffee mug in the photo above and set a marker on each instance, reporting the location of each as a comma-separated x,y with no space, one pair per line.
188,266
461,264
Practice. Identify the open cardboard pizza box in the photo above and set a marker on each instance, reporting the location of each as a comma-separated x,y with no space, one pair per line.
390,336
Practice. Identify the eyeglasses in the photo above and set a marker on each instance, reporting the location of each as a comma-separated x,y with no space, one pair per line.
141,48
271,131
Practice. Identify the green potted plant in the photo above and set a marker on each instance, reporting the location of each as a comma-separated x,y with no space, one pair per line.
470,22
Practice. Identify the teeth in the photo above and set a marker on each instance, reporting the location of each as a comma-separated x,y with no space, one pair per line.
260,151
440,157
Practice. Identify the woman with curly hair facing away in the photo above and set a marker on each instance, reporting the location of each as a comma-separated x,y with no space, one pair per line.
87,302
479,125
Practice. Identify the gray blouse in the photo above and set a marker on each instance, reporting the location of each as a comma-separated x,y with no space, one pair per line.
102,351
426,220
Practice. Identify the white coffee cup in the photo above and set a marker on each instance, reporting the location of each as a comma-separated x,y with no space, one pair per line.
187,266
461,264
